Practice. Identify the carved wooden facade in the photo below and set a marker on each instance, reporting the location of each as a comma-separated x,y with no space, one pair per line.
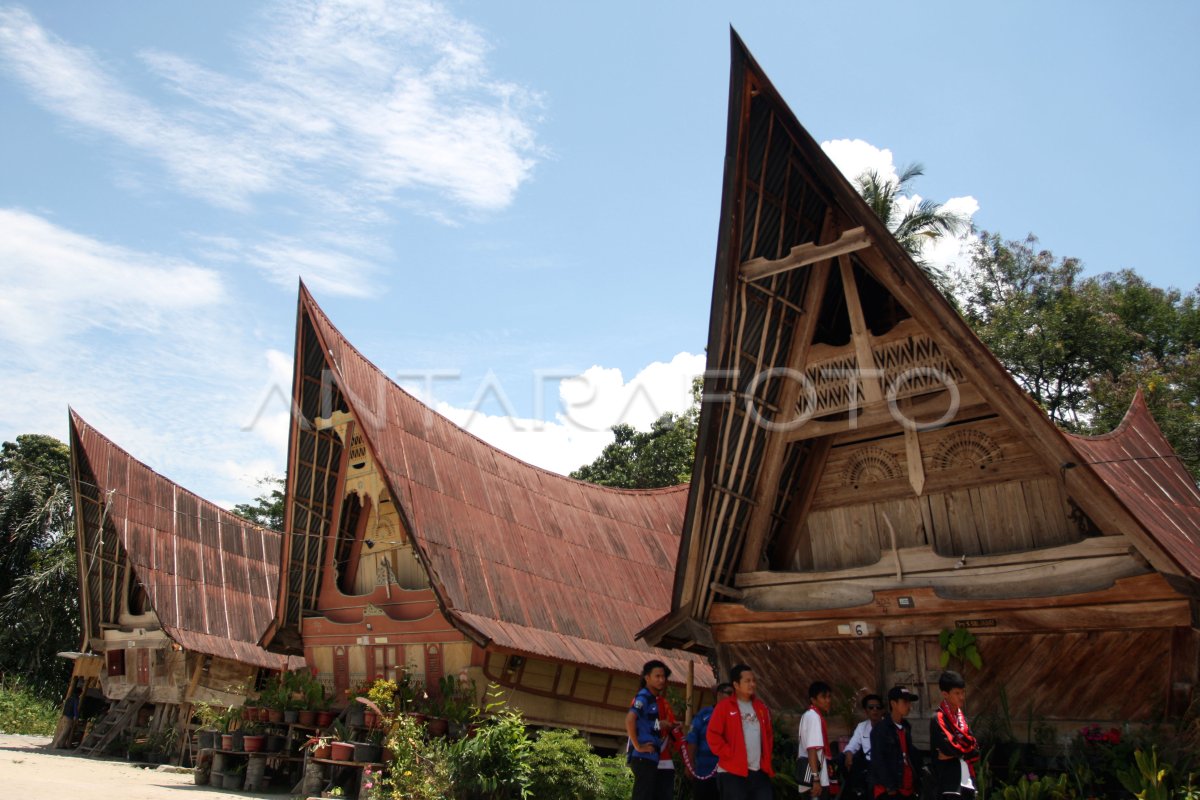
868,475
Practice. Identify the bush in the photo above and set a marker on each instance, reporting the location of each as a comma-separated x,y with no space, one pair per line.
494,764
563,767
616,779
420,769
21,711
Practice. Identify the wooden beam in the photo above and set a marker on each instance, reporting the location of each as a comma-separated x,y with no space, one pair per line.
912,452
882,414
804,254
860,334
771,466
921,560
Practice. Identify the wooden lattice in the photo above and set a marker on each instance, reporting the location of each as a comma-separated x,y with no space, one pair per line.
828,386
911,366
914,366
963,449
870,465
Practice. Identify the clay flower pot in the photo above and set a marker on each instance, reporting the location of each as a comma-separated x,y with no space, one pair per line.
253,743
342,751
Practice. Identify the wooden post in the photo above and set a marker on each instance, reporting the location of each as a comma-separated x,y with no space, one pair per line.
691,683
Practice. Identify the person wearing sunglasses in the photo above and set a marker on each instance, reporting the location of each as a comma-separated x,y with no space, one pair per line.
858,750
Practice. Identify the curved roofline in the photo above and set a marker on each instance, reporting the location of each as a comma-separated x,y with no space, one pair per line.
1137,407
316,307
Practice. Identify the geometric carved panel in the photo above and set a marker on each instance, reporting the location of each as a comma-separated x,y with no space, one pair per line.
965,449
869,465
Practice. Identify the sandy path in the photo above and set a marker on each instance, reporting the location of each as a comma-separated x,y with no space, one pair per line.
29,767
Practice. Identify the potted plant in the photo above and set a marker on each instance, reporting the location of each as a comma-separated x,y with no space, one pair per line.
253,739
319,746
458,706
341,748
212,722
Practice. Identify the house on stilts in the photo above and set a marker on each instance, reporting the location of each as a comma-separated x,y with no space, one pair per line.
175,592
868,476
411,544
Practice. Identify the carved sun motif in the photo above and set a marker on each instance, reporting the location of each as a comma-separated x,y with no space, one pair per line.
869,465
964,449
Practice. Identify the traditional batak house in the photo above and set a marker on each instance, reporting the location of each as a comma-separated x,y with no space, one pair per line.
413,546
175,592
868,476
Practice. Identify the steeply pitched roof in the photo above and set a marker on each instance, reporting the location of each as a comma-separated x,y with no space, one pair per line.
518,556
211,576
782,192
1137,463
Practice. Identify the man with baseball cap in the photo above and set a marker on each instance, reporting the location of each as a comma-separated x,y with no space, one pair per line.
895,761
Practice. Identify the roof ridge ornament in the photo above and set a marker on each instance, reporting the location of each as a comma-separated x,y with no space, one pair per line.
804,254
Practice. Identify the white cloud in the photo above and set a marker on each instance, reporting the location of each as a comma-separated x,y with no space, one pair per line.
591,403
347,101
148,349
853,157
58,284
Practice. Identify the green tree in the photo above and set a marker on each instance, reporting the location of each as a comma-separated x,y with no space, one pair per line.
1081,346
39,590
661,456
913,224
268,508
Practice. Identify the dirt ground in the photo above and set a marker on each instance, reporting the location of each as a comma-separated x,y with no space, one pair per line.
28,765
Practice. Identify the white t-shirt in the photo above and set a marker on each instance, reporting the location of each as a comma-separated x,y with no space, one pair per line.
752,733
860,742
810,737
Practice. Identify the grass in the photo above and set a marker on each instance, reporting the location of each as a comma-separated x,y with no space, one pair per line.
21,711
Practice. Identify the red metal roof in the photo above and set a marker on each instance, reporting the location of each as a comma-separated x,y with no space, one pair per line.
211,576
1138,465
527,559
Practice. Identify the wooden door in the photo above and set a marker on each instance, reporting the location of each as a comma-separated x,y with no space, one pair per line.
143,666
912,661
341,671
385,661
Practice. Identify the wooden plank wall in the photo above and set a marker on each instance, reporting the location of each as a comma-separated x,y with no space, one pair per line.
985,492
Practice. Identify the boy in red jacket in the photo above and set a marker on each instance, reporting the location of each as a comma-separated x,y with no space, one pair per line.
741,737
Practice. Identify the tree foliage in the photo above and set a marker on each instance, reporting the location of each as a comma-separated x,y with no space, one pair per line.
912,224
661,456
1081,346
39,589
268,508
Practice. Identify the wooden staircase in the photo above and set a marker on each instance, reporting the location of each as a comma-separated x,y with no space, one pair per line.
113,723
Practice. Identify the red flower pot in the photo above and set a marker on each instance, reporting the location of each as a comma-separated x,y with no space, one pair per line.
307,717
324,718
275,715
253,743
226,741
323,751
342,751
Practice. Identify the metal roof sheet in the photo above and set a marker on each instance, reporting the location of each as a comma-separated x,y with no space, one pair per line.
1137,463
211,576
528,559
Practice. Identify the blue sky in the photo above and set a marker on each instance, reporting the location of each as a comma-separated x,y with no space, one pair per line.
505,195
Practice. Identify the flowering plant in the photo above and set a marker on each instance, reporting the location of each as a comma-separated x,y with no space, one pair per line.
1094,734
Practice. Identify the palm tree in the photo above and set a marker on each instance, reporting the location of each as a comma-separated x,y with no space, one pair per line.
916,226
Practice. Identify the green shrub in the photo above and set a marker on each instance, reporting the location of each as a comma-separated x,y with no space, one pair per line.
420,768
616,779
563,767
21,711
494,763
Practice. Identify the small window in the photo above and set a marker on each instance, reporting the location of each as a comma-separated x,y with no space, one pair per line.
116,662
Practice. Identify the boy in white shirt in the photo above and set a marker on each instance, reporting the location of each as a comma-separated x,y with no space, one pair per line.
814,740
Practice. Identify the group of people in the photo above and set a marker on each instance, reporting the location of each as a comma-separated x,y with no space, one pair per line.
728,749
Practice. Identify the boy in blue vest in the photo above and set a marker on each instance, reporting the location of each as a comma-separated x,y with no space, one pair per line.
703,761
649,724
